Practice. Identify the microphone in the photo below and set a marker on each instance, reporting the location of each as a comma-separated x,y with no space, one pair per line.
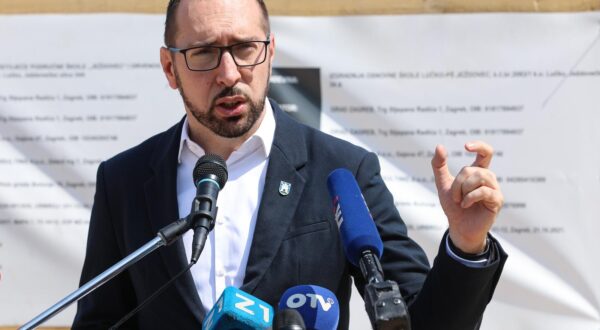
364,248
210,176
318,306
288,319
237,309
357,228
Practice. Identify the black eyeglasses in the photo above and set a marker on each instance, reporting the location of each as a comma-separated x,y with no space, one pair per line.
206,58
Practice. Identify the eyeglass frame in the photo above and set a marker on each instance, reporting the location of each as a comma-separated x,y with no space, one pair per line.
221,51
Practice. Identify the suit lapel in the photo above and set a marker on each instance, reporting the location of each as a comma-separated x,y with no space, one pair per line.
277,209
161,197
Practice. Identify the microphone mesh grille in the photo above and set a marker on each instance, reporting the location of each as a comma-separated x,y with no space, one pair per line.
211,164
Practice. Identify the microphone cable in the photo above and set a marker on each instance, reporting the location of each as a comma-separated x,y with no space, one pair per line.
150,298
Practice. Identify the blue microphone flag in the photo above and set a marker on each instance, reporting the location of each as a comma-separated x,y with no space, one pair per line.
356,225
318,306
237,309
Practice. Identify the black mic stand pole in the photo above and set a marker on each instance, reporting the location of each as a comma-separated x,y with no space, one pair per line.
165,236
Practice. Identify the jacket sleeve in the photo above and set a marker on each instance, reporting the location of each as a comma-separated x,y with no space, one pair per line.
103,307
448,296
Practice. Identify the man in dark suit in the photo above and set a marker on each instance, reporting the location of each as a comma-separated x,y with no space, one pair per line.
278,226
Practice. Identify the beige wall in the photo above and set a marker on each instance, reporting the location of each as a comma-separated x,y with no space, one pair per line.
311,7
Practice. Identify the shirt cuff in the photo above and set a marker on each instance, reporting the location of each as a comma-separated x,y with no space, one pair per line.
474,260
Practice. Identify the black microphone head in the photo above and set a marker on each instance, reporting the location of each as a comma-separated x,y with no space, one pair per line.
288,319
211,164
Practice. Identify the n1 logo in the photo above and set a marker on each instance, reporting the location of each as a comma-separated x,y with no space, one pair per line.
236,309
248,305
298,300
208,323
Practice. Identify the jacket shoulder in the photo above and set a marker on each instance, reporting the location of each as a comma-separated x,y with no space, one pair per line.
143,155
322,146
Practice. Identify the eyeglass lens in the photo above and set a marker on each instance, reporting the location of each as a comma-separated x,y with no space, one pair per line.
208,57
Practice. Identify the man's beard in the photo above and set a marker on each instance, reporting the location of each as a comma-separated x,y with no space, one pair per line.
232,127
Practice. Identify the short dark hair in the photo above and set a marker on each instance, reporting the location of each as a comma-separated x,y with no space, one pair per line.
171,28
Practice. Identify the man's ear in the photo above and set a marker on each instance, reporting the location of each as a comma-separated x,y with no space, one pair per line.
271,51
166,61
272,47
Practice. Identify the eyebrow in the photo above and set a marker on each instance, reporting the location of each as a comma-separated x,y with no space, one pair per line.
235,41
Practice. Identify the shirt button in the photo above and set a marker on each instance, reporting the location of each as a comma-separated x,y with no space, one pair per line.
220,272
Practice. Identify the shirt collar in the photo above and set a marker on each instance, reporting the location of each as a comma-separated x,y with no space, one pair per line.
262,138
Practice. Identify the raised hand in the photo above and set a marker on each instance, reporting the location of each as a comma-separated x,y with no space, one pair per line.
471,200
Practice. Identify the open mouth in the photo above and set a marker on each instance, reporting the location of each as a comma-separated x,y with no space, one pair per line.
231,105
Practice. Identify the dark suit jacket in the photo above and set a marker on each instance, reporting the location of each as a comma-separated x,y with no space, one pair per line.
296,240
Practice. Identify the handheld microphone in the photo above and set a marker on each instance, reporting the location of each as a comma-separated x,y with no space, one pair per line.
210,176
288,319
357,228
237,309
364,248
318,306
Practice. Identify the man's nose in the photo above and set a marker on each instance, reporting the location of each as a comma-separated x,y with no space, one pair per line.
228,73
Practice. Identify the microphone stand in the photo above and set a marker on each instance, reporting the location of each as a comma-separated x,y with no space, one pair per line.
165,236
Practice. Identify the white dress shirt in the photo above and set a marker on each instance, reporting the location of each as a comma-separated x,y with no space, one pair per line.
225,255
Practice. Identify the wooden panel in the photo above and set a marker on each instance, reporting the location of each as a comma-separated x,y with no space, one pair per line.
40,328
344,7
82,6
311,7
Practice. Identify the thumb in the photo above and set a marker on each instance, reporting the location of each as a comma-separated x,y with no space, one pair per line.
439,164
